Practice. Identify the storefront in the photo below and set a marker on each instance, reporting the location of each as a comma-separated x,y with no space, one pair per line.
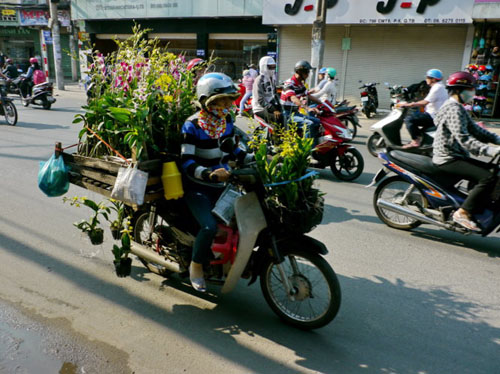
384,41
231,31
485,55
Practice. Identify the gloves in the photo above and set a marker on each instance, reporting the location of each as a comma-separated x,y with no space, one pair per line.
492,151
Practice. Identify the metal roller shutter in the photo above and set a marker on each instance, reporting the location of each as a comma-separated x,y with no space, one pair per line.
394,54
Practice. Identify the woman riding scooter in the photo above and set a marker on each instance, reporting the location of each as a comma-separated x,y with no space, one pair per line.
205,164
457,136
27,84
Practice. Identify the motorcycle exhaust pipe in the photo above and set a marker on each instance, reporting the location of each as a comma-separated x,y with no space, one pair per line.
409,213
148,255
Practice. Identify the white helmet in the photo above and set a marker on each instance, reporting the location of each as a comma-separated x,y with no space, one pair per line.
212,86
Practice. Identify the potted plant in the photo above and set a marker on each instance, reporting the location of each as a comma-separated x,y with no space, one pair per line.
123,263
91,226
116,225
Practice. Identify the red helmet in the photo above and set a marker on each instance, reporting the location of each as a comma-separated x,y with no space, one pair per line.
461,79
33,60
194,62
482,68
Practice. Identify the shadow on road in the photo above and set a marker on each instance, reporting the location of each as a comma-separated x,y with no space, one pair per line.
40,126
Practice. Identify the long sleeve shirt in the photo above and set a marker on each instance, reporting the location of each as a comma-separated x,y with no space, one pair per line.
328,92
457,135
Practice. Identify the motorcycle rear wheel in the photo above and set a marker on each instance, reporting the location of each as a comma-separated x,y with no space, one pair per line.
10,113
349,166
323,290
392,189
45,103
142,234
373,144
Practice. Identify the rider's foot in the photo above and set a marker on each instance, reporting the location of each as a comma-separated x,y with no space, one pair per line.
413,144
196,277
462,218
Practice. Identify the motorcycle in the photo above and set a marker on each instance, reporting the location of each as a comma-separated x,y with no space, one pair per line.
345,161
7,107
42,94
297,282
387,133
369,98
420,193
347,115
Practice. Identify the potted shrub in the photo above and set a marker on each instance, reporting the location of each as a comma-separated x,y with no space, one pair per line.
123,263
91,226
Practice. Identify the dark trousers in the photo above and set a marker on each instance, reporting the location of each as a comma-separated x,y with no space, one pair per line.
417,123
477,172
201,205
26,87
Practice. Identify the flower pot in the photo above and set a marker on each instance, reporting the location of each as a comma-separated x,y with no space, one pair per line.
123,267
96,236
115,232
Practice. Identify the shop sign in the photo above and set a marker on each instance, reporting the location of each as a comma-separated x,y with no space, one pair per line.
12,31
47,35
292,12
8,16
105,9
41,17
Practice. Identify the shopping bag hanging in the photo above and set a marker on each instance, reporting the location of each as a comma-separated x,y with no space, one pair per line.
130,185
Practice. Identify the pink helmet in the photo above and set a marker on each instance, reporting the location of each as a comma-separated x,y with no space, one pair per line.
33,60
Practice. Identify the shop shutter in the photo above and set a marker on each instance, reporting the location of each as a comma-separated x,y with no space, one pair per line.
394,54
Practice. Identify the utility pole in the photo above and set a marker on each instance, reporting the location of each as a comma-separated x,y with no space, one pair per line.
318,40
56,44
74,56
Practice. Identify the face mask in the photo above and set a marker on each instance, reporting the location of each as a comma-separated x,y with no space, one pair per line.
467,96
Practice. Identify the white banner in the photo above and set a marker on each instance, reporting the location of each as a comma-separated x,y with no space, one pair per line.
292,12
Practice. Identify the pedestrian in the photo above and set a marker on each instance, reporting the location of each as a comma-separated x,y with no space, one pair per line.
418,122
247,82
457,137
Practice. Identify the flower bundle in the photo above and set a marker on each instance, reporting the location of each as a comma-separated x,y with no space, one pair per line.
142,95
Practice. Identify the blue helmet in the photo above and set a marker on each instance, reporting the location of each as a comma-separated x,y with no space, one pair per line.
322,71
434,73
486,78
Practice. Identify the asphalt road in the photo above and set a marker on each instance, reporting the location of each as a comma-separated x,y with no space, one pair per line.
425,301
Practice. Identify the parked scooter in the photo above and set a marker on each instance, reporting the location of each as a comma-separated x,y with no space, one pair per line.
297,282
369,98
42,94
344,160
7,107
420,193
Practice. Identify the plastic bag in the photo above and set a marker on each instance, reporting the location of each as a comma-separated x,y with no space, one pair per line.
130,186
53,177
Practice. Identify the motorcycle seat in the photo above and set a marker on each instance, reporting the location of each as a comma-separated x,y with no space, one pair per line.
342,109
416,161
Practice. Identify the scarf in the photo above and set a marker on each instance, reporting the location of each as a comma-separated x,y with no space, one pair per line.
213,122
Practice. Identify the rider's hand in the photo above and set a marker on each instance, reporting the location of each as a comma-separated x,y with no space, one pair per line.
220,175
277,114
314,110
492,151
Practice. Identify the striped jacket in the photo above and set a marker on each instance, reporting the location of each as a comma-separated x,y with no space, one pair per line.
292,87
200,154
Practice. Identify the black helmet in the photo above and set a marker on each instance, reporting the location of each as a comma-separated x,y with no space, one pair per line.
303,66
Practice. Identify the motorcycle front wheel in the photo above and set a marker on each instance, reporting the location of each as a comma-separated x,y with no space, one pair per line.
394,189
375,144
315,297
10,113
349,166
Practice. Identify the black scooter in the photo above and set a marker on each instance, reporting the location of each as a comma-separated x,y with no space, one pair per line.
369,99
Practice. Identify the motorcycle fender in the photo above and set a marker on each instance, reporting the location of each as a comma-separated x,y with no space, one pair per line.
378,177
305,242
251,221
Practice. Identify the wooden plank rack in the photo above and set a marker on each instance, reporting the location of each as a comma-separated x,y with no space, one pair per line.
99,175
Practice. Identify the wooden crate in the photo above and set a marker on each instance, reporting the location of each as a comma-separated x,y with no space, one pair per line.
99,175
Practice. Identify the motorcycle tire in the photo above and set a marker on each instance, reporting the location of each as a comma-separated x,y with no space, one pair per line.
368,113
351,126
140,229
392,189
299,266
375,144
10,113
25,102
45,103
349,166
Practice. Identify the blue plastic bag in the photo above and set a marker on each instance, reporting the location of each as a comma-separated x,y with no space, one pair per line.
53,177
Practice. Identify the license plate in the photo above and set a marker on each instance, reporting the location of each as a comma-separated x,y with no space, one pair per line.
364,98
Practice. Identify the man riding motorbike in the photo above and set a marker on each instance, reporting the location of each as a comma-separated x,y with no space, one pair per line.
205,164
265,103
10,70
294,91
457,136
436,97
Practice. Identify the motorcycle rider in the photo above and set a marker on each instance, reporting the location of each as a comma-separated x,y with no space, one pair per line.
321,80
27,84
456,138
294,91
265,103
418,122
10,70
204,163
329,90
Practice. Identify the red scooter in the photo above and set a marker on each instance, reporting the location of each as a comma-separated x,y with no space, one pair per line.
345,161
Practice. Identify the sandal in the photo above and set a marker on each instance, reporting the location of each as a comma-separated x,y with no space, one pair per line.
464,221
198,284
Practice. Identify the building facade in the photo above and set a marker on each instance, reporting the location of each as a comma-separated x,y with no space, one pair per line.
229,29
390,41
